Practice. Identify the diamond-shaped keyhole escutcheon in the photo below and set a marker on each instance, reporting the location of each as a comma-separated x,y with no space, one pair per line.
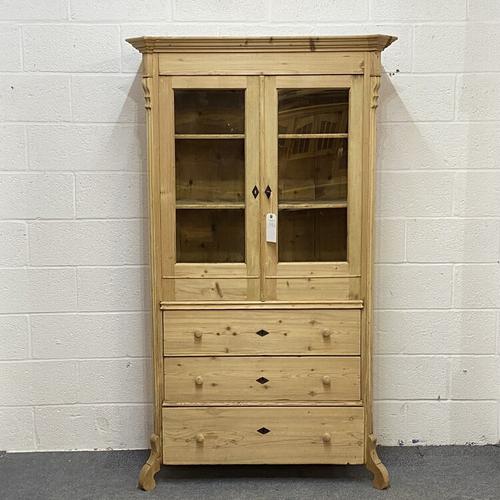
262,333
262,380
263,430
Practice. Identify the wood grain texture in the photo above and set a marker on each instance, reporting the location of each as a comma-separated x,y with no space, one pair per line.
226,332
211,289
230,435
318,81
209,82
315,288
152,95
264,404
370,87
321,378
348,43
164,184
317,63
252,178
257,305
355,177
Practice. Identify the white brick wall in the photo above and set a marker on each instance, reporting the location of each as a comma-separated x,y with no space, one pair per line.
74,293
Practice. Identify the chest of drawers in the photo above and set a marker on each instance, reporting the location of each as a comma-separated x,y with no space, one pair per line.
261,160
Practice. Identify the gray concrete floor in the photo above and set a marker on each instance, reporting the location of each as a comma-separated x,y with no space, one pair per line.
448,472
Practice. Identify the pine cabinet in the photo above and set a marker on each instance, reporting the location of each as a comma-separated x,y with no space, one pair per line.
261,161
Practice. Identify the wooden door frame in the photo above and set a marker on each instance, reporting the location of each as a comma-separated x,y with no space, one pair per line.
246,274
344,276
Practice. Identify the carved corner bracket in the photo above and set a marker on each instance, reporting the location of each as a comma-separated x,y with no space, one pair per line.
375,81
146,87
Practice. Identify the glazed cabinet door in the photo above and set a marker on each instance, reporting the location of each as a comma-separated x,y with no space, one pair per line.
209,164
312,173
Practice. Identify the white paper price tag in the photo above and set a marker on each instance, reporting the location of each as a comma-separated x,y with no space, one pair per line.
271,225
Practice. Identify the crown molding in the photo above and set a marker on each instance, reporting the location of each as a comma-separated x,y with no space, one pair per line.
355,43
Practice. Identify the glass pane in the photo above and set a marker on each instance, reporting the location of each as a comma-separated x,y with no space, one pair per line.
313,111
312,169
209,111
210,235
210,170
312,235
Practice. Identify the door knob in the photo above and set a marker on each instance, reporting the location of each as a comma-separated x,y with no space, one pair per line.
326,380
198,380
327,437
326,333
200,438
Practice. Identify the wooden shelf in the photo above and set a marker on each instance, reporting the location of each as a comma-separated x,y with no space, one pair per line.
209,136
302,205
210,205
313,136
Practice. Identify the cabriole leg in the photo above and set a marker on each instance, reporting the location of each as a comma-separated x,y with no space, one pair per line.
375,465
152,466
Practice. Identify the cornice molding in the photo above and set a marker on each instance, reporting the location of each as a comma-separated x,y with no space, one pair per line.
355,43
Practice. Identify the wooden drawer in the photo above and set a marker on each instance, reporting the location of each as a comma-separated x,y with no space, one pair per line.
286,435
286,331
214,379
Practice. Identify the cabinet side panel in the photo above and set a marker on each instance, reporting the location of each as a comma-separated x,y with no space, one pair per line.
151,93
371,85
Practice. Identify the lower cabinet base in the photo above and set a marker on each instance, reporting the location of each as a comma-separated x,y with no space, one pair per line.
268,435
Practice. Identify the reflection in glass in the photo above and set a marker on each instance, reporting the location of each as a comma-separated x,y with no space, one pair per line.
210,235
312,169
210,170
316,235
313,111
209,111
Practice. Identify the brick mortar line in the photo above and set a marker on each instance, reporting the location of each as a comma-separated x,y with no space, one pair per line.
437,401
77,404
92,311
72,360
211,23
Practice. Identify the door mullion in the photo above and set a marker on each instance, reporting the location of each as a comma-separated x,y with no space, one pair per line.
269,177
252,202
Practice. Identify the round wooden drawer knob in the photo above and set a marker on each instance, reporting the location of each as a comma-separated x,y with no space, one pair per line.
198,335
327,437
198,380
327,380
200,438
326,334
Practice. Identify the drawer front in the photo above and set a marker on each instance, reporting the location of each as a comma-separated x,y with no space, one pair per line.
278,379
283,435
285,331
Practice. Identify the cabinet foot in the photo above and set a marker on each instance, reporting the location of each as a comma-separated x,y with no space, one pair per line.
152,466
375,465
